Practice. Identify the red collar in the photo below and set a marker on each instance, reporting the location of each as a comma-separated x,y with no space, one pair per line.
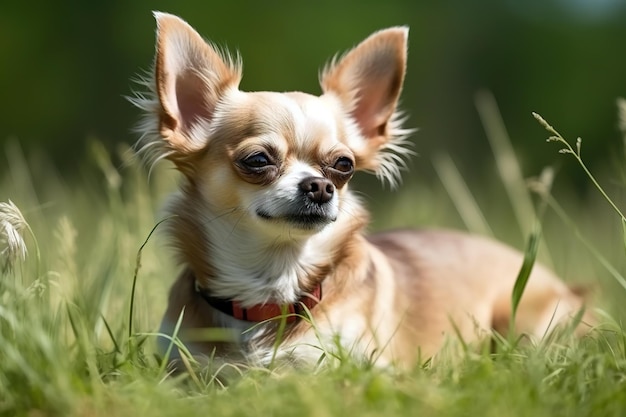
263,312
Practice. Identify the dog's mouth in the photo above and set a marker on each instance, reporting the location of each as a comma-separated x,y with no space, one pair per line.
307,220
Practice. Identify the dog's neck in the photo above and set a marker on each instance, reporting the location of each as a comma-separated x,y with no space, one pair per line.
256,270
232,263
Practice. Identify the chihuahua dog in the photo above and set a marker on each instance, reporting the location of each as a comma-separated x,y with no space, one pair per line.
271,239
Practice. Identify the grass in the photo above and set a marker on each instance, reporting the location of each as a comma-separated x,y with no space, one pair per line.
78,315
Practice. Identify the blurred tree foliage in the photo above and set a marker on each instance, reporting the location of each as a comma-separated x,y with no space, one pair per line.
67,65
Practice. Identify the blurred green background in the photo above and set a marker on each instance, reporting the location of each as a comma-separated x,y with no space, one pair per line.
67,65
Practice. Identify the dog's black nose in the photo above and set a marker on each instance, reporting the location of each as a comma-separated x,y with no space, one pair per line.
317,189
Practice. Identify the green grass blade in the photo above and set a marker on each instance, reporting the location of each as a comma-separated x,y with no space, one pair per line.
110,333
530,255
624,233
136,273
173,341
461,195
509,168
603,260
279,333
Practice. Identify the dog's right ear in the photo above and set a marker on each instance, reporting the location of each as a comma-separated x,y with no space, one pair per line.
191,76
368,81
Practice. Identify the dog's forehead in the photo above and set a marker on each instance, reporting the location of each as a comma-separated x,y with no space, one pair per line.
314,117
305,122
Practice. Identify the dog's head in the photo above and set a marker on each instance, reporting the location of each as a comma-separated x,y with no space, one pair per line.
281,158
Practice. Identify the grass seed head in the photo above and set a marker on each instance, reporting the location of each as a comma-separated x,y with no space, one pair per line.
12,245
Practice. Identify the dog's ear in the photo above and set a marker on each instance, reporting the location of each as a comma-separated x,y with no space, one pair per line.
191,76
368,81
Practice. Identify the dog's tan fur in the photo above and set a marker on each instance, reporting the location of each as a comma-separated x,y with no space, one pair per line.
393,296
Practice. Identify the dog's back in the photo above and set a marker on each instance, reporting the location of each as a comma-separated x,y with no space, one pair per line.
453,283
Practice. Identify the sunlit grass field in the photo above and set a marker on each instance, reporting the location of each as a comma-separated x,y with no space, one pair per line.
70,344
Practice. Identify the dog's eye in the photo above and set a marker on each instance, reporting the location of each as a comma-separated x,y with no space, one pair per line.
344,165
257,160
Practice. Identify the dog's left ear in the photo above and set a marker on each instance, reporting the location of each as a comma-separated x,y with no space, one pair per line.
368,81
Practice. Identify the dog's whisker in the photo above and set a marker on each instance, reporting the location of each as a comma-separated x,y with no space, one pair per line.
232,231
221,215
